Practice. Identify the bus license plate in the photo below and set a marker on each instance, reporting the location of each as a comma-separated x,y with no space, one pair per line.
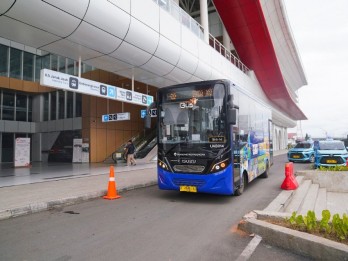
188,189
331,161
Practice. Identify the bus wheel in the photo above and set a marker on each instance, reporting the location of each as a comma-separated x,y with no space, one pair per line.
239,191
265,174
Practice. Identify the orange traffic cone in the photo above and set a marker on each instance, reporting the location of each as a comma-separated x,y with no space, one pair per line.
290,182
112,191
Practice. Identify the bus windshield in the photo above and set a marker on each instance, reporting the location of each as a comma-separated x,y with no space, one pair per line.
193,114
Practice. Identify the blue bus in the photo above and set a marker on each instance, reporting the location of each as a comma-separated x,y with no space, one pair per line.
213,137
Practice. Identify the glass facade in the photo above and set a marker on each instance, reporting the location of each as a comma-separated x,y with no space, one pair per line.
3,60
48,106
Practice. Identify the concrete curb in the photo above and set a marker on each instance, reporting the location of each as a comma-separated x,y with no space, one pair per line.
299,242
44,206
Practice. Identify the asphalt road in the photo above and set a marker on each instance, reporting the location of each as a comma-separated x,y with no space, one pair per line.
146,224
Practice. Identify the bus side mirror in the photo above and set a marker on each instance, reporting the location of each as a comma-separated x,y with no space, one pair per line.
232,116
231,110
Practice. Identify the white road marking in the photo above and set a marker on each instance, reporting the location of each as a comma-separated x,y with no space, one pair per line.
250,248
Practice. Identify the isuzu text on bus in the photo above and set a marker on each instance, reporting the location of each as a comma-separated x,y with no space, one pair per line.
212,138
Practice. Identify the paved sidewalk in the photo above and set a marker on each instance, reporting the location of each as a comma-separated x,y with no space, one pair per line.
45,186
69,189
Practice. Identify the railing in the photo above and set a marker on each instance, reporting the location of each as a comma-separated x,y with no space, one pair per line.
181,16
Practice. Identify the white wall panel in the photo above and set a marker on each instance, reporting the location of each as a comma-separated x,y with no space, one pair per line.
123,4
204,52
147,12
160,82
178,76
108,63
5,5
158,66
94,38
25,34
77,7
142,36
108,17
187,62
72,50
51,19
131,54
168,51
203,71
170,27
139,74
189,41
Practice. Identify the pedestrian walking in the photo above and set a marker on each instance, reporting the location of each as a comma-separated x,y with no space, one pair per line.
130,150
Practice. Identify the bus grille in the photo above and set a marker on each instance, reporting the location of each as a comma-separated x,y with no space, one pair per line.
189,182
189,168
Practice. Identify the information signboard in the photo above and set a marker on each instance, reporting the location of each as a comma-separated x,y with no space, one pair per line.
76,84
124,116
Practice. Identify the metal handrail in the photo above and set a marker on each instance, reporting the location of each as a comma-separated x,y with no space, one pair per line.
185,19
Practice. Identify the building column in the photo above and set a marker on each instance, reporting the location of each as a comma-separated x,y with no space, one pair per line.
204,19
226,38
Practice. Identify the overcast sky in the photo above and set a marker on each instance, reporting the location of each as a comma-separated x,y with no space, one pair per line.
320,29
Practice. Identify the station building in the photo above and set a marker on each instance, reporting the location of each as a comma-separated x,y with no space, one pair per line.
136,45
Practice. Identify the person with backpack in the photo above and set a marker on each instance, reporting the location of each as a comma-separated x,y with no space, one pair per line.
130,149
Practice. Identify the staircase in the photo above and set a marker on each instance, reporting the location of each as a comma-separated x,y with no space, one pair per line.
309,196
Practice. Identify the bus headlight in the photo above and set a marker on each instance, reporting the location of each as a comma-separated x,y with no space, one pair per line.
162,165
219,166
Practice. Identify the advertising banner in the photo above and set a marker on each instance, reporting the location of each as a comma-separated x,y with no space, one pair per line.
76,84
85,152
22,152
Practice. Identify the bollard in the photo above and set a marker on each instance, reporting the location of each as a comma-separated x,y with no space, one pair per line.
290,182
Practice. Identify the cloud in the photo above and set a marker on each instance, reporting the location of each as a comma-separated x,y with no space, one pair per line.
320,29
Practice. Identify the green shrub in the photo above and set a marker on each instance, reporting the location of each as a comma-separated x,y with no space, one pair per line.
337,228
333,168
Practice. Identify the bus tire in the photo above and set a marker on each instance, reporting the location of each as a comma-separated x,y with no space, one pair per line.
239,191
265,174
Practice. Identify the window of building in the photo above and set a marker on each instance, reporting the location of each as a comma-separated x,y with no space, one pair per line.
45,64
30,108
3,60
61,105
54,62
70,105
15,63
61,64
53,106
7,147
28,66
21,107
38,67
8,106
78,99
45,106
70,66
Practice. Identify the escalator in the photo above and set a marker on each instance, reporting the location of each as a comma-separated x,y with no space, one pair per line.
144,145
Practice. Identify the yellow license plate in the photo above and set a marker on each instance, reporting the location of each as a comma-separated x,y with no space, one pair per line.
188,189
331,161
296,156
